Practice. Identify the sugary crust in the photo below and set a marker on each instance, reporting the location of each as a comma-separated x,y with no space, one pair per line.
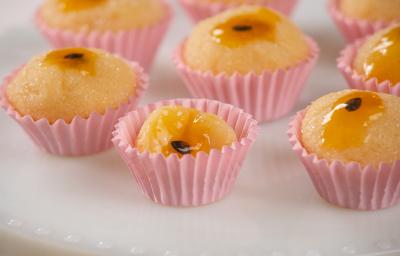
46,91
382,140
113,15
203,54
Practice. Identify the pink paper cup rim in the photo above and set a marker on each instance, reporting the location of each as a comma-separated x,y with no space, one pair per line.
275,93
188,181
357,81
80,137
136,44
351,28
199,10
348,184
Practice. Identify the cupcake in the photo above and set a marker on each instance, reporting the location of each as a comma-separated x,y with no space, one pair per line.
201,9
185,152
132,29
68,100
359,18
371,64
348,142
251,57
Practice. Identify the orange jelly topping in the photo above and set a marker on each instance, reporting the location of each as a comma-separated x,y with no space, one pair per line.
80,59
243,29
78,5
384,59
346,126
181,130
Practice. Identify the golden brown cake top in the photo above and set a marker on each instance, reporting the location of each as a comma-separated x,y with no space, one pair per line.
353,125
101,15
66,83
374,10
245,39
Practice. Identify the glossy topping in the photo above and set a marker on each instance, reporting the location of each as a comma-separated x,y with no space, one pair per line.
67,83
78,5
346,125
353,126
242,29
380,58
179,130
81,59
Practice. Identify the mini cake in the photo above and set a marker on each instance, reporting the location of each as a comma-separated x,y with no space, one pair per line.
66,83
68,100
221,52
371,64
248,39
101,15
180,130
185,152
359,18
201,9
133,29
348,142
354,126
374,10
378,57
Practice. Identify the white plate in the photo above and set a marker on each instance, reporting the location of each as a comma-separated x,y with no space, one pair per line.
51,205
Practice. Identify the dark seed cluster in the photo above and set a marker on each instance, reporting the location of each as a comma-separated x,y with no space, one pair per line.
181,147
353,104
242,28
74,56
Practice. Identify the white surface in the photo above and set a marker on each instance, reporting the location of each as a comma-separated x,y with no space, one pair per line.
48,203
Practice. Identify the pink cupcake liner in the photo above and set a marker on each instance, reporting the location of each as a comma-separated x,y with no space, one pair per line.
357,81
353,29
188,181
81,136
199,11
267,96
348,185
139,45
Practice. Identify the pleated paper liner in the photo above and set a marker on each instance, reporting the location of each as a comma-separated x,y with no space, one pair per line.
351,28
188,181
83,136
267,96
139,45
198,10
357,81
348,185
